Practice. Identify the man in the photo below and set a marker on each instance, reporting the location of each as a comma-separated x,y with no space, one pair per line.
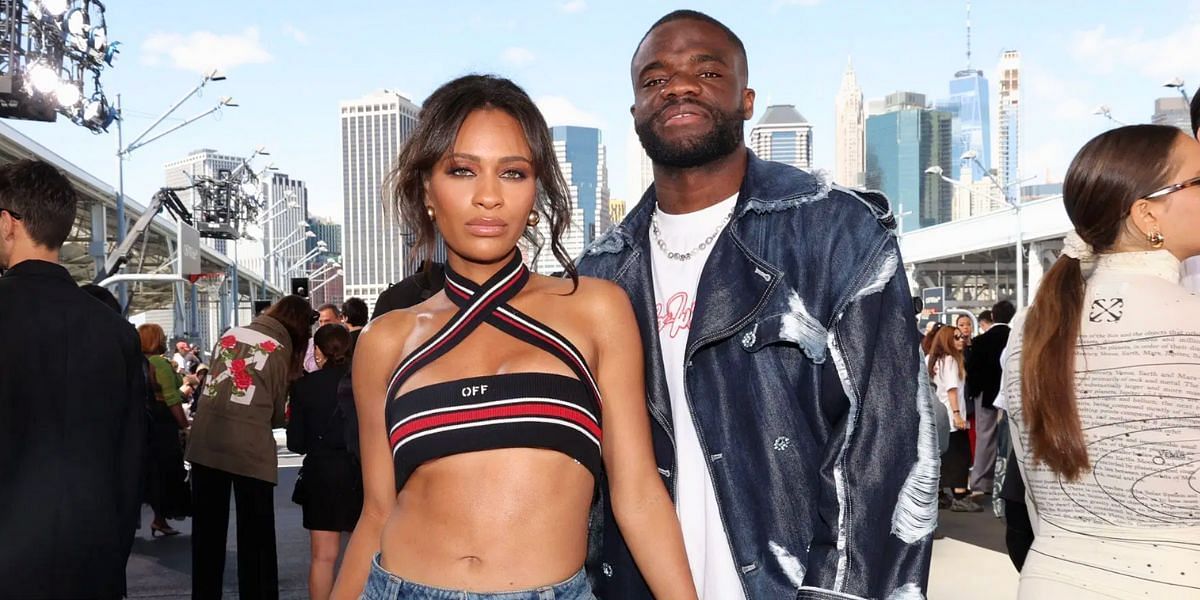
185,358
72,427
355,315
781,368
412,290
983,378
986,321
328,313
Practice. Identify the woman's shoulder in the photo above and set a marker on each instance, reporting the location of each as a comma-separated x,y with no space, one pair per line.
591,294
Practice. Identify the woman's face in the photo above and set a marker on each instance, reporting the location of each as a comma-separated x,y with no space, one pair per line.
964,326
484,188
959,340
1178,213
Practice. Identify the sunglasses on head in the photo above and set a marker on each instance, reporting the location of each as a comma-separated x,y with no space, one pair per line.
314,317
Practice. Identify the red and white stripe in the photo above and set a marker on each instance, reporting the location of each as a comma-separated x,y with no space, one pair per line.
516,410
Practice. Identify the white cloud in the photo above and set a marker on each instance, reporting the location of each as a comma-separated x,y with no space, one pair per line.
561,111
517,57
573,6
296,34
203,51
1160,55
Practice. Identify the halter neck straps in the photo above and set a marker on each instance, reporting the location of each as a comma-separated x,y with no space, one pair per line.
489,303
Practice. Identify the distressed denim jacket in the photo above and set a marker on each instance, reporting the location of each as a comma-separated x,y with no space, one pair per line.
802,378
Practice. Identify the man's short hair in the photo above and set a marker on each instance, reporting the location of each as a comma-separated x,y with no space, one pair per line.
43,197
1196,114
986,316
1004,311
694,15
355,311
337,312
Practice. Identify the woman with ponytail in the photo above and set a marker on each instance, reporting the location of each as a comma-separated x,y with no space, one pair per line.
1102,375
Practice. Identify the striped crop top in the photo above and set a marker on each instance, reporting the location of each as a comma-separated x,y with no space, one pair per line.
514,410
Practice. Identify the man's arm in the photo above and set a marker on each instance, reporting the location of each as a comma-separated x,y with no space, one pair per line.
883,464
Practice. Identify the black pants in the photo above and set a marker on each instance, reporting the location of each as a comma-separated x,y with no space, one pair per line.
956,460
258,573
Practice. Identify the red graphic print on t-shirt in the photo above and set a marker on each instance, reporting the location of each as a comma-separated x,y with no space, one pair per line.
675,315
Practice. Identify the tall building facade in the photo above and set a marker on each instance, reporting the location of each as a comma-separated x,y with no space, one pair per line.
328,231
902,143
582,157
783,135
373,130
1009,123
850,158
283,239
968,107
616,211
1173,111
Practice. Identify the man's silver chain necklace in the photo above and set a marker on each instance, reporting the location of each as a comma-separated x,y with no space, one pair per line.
686,256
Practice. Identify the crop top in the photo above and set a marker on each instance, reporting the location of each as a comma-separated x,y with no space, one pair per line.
513,410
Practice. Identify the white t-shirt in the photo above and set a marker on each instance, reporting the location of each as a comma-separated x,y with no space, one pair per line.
675,284
946,377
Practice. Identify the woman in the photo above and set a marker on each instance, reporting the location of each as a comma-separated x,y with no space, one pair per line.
945,364
231,446
166,488
1101,379
330,483
479,409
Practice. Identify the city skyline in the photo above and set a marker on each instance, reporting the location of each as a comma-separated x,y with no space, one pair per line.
573,59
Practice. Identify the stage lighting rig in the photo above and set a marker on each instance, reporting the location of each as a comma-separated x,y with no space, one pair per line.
227,203
52,53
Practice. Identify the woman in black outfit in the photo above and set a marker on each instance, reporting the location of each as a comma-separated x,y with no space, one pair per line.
330,485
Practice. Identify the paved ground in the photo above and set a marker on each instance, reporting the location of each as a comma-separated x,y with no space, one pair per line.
969,563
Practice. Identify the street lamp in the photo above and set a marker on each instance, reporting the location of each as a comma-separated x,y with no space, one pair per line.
1105,111
123,151
1177,83
1012,202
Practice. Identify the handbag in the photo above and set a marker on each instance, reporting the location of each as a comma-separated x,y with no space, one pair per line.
300,491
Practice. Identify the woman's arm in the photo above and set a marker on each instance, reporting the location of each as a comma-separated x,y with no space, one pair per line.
640,503
378,352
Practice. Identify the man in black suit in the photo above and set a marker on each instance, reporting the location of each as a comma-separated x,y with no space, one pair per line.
72,429
983,380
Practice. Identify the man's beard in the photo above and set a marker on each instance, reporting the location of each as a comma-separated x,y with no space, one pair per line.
718,142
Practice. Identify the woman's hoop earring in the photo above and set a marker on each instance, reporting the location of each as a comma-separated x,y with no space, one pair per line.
1156,239
429,211
533,219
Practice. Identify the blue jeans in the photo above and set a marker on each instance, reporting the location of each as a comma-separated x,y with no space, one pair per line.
382,585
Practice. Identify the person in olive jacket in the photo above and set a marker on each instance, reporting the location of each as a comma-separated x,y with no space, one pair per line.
232,446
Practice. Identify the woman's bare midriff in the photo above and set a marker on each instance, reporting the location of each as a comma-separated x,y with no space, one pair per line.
491,521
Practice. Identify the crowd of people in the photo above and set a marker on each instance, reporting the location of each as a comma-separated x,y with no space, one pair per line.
492,433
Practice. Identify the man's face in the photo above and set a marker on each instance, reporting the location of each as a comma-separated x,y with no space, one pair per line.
327,317
181,347
690,94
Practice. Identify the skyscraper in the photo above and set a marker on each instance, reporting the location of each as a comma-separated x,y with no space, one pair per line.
1173,111
849,138
640,174
968,106
283,236
373,130
583,159
1009,131
783,135
616,210
902,143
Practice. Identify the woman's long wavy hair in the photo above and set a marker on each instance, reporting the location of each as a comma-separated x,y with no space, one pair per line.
943,346
1105,178
437,129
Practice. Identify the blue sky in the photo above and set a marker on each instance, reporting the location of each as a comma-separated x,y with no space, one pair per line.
289,63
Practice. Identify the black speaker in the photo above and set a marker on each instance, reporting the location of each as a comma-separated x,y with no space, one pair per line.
300,286
261,305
